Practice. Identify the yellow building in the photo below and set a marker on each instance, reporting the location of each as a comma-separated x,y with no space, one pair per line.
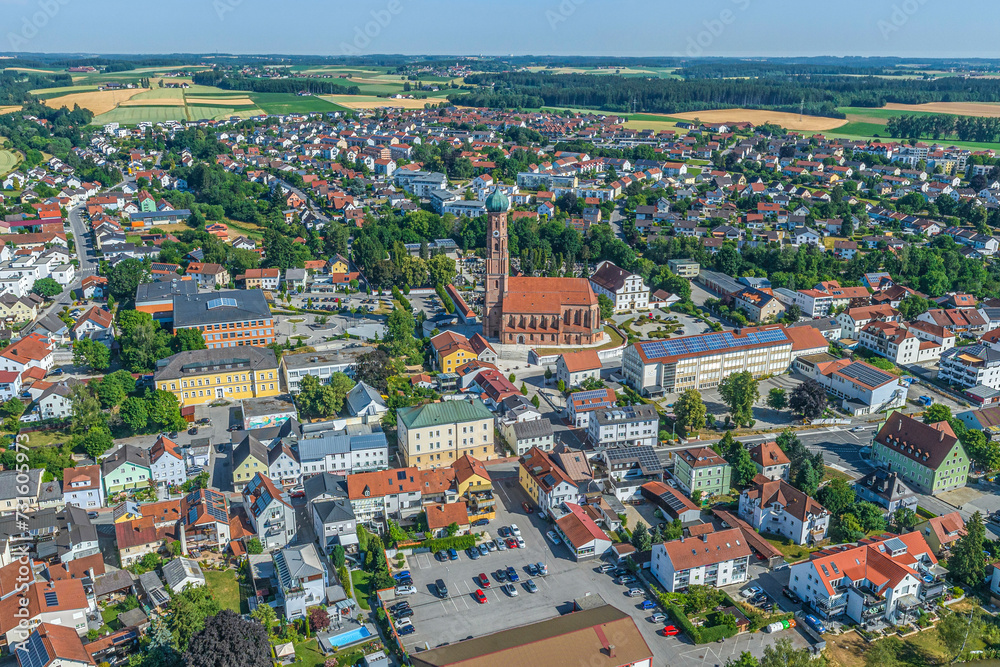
249,458
197,377
475,487
451,351
338,265
436,435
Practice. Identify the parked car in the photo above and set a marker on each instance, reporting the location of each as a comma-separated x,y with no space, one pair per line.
441,588
634,592
481,522
607,567
626,579
501,575
514,530
512,574
791,595
483,580
407,581
501,545
483,550
511,543
297,492
510,589
648,604
527,507
552,536
403,622
530,585
670,631
520,542
480,596
408,630
532,569
658,617
815,623
473,553
542,568
491,545
504,531
452,554
751,591
405,590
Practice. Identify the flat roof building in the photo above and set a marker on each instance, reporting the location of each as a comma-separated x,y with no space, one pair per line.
226,318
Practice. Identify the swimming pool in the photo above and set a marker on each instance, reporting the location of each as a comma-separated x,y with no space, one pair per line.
348,638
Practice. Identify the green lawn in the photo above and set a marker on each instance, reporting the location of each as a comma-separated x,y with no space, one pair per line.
225,588
308,654
615,341
361,581
45,438
792,552
8,161
833,473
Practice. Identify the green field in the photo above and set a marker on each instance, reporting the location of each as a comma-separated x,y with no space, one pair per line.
284,103
8,161
133,115
156,93
46,93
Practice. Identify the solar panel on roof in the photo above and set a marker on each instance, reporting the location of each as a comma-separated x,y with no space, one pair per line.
872,377
51,599
710,343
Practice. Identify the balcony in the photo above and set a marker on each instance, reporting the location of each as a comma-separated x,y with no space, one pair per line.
832,605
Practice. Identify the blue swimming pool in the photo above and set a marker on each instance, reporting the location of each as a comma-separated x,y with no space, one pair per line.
348,638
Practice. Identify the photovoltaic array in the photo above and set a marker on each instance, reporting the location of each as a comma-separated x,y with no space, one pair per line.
713,342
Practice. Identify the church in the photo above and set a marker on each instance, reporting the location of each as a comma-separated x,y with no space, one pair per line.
524,310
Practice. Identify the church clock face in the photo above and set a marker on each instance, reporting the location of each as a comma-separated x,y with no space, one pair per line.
496,233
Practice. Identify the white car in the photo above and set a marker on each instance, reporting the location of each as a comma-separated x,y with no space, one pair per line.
501,545
406,590
514,529
658,617
552,536
403,622
520,543
750,591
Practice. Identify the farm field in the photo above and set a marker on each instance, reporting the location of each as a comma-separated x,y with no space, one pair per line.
956,108
655,122
10,109
159,102
235,101
8,161
97,101
134,115
44,93
789,121
372,102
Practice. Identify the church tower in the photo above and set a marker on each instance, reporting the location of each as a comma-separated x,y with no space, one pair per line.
497,262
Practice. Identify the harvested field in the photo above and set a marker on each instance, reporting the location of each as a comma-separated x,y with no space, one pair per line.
957,108
8,161
29,69
161,102
98,101
789,121
363,102
16,107
236,101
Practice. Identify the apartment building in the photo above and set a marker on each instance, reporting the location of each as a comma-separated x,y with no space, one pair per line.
928,457
438,434
270,512
863,388
227,318
853,320
770,460
387,494
778,508
197,377
759,305
685,268
702,470
626,290
321,365
574,368
714,559
702,361
880,579
891,341
970,366
582,405
624,426
353,449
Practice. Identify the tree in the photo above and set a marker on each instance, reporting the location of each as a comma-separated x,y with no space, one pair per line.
937,413
188,339
266,617
144,345
783,654
90,353
188,611
690,411
641,538
837,496
135,413
966,563
47,288
318,619
339,556
739,391
808,399
114,387
125,277
96,441
164,410
956,630
847,528
746,659
607,306
441,269
452,529
777,399
86,410
254,546
884,653
727,445
229,641
696,496
985,453
904,519
375,369
743,468
535,401
399,332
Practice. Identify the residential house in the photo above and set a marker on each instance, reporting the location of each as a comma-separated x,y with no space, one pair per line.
928,457
574,368
941,532
715,559
270,512
886,489
626,290
544,481
770,460
701,469
582,536
778,508
166,463
438,434
302,579
126,469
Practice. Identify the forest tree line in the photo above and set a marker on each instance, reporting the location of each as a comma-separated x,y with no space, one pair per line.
261,85
941,126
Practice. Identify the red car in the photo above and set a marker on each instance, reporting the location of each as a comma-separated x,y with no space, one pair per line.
484,581
527,508
480,596
670,631
511,543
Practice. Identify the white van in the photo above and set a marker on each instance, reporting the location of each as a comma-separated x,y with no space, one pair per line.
514,529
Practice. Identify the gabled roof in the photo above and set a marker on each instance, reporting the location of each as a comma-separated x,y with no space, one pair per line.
770,492
543,469
926,444
709,549
947,527
584,360
768,454
579,528
883,561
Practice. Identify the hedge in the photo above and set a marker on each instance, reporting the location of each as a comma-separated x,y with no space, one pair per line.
702,635
449,305
458,542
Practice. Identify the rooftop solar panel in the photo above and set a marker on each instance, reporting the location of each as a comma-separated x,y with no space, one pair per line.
710,343
872,377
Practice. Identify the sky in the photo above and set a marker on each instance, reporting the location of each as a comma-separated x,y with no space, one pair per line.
710,28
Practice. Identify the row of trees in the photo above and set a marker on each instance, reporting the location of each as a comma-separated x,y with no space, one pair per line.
939,126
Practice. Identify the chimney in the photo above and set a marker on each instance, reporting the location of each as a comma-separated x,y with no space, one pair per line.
899,425
704,538
611,650
941,435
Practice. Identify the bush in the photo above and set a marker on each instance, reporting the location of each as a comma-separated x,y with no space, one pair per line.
715,633
459,542
957,591
449,305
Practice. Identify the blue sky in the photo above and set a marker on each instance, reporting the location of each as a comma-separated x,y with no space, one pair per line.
909,28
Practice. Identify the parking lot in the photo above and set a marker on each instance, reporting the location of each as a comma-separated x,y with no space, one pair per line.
445,621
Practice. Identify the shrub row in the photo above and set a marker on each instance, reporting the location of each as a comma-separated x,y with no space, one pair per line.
449,305
458,542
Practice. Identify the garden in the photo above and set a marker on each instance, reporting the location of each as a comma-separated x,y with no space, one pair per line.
701,612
